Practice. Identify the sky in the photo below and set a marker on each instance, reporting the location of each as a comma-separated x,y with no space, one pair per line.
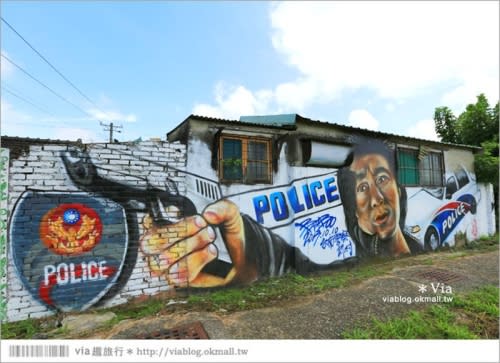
146,66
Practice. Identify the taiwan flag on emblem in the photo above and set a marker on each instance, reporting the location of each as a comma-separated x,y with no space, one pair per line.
68,247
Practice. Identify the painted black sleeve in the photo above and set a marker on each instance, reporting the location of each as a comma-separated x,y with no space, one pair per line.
272,255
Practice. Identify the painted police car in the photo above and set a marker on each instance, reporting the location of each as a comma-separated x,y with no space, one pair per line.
435,213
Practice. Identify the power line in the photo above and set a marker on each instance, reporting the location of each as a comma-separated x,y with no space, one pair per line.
50,64
111,126
22,122
47,87
25,100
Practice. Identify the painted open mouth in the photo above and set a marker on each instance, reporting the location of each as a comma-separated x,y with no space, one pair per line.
381,218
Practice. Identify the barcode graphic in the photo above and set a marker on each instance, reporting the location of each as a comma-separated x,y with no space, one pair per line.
21,351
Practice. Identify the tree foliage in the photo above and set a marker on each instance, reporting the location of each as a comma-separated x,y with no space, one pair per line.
446,124
486,164
478,125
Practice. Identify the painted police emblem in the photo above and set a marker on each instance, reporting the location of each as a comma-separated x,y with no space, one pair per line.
71,229
68,247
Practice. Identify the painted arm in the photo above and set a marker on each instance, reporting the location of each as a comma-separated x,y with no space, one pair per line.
180,251
268,252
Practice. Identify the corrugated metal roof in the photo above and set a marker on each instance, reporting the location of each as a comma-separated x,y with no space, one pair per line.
235,122
386,134
276,120
299,118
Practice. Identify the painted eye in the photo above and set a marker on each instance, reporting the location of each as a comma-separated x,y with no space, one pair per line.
382,179
362,188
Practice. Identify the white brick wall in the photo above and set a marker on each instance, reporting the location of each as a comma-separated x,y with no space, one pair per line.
135,165
4,192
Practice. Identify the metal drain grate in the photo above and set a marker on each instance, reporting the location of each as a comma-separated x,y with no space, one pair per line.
440,275
187,331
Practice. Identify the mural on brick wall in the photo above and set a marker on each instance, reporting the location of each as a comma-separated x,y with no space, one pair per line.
364,195
4,188
161,206
125,220
315,222
75,238
77,252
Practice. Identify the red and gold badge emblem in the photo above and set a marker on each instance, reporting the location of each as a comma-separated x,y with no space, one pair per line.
71,229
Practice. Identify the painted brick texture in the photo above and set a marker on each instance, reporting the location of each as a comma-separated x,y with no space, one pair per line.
129,173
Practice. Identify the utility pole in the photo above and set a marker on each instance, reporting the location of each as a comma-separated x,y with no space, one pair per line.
111,128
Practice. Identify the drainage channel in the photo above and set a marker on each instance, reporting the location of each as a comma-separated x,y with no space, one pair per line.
187,331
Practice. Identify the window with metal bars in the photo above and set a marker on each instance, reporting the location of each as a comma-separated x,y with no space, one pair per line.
245,160
416,168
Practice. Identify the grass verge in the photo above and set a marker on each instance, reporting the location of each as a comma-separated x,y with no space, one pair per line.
470,316
257,295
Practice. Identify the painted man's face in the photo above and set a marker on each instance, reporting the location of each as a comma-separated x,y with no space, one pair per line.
377,196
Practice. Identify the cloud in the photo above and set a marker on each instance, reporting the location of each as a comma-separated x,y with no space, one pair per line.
75,133
423,129
111,115
234,101
104,100
385,47
363,119
13,120
343,45
204,109
21,124
458,98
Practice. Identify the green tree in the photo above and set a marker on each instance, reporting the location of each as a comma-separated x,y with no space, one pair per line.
486,164
478,123
446,124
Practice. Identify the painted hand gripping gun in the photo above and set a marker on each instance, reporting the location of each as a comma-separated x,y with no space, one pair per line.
150,200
